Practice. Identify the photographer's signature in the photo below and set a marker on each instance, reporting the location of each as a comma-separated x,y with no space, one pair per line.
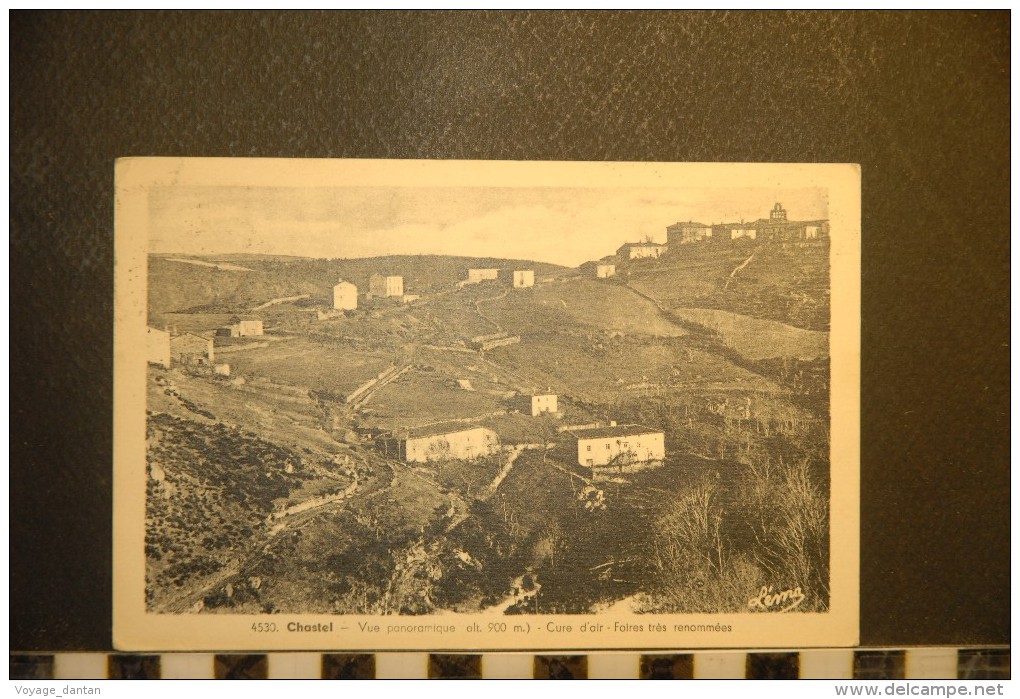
768,600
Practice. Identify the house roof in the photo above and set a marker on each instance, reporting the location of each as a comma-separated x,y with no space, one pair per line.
643,245
690,224
617,431
186,335
764,222
437,430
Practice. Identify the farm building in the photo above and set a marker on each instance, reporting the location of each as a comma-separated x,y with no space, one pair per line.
523,278
740,231
437,443
689,232
777,227
487,342
481,275
636,251
242,326
618,444
345,296
157,347
476,276
542,403
385,286
605,271
191,349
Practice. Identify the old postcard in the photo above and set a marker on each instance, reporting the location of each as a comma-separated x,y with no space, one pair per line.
485,405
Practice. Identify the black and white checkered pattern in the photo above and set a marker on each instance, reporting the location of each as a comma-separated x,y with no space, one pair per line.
891,664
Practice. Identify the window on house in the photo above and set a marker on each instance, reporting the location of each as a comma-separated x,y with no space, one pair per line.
589,447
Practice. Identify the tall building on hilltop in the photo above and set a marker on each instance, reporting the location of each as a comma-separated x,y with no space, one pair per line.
690,232
345,296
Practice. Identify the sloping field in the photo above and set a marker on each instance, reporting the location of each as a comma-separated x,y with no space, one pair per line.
418,399
756,339
594,370
600,304
311,365
790,285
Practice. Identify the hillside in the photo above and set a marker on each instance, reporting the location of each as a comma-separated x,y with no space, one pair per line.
326,518
178,286
601,304
790,285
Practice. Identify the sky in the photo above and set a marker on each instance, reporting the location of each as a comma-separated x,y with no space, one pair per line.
561,225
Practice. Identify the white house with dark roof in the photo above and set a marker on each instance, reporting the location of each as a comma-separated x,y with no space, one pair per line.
636,251
242,326
440,443
683,233
618,445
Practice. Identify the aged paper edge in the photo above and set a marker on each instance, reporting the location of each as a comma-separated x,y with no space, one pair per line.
136,629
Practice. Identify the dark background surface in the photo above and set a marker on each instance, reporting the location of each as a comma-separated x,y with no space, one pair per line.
920,100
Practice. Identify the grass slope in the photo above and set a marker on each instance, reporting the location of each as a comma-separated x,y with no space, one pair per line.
790,285
175,286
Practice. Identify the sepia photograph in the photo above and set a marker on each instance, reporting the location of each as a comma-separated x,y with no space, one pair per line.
412,404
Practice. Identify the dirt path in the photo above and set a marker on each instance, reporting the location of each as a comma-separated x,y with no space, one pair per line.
308,505
282,299
739,267
366,394
295,517
478,308
515,451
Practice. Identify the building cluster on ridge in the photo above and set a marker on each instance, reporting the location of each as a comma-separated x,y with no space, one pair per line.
777,228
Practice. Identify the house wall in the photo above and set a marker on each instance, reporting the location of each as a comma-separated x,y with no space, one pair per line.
345,297
157,345
684,234
249,328
642,252
650,446
605,271
386,286
543,404
523,278
465,444
191,349
478,275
